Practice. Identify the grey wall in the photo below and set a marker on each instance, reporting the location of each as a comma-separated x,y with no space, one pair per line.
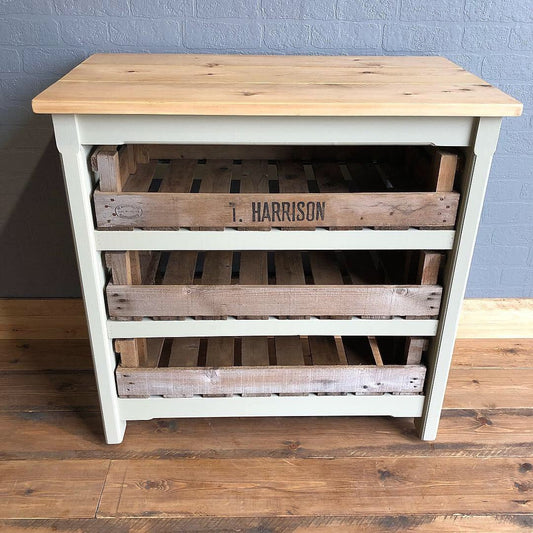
42,39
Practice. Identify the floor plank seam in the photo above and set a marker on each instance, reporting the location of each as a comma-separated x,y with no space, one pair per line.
102,490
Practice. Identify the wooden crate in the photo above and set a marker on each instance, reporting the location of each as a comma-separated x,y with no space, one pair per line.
263,187
285,284
185,367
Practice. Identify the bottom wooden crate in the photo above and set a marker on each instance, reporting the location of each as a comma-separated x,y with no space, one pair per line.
186,367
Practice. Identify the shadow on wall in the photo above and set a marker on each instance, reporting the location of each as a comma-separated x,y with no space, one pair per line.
35,233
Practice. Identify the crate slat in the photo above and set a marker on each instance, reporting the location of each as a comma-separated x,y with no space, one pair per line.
253,270
177,382
428,272
141,179
291,177
184,352
179,176
325,268
289,270
324,351
215,176
254,351
254,176
289,351
329,178
376,353
133,352
180,268
239,300
376,210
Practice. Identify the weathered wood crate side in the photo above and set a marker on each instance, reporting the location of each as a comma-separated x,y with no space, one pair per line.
293,300
304,210
186,382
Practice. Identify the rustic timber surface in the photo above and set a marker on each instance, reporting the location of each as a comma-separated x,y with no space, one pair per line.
367,474
192,84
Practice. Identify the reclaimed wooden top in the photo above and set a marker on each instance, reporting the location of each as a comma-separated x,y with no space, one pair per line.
192,84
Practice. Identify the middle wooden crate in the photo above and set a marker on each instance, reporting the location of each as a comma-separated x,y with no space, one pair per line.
285,284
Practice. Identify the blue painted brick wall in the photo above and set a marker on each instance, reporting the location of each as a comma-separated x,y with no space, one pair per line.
42,39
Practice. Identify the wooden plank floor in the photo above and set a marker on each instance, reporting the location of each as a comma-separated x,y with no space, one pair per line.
274,474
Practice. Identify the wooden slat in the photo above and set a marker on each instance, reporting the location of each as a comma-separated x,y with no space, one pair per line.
444,169
274,300
180,268
289,351
356,350
324,351
217,268
108,164
414,346
291,177
140,181
428,273
289,268
133,352
220,352
341,351
378,210
376,353
325,268
254,351
428,269
253,269
179,176
139,352
329,178
142,153
125,267
254,176
184,352
154,349
295,379
248,152
149,266
215,176
289,271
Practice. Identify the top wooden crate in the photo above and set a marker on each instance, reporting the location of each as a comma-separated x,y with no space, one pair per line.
264,187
